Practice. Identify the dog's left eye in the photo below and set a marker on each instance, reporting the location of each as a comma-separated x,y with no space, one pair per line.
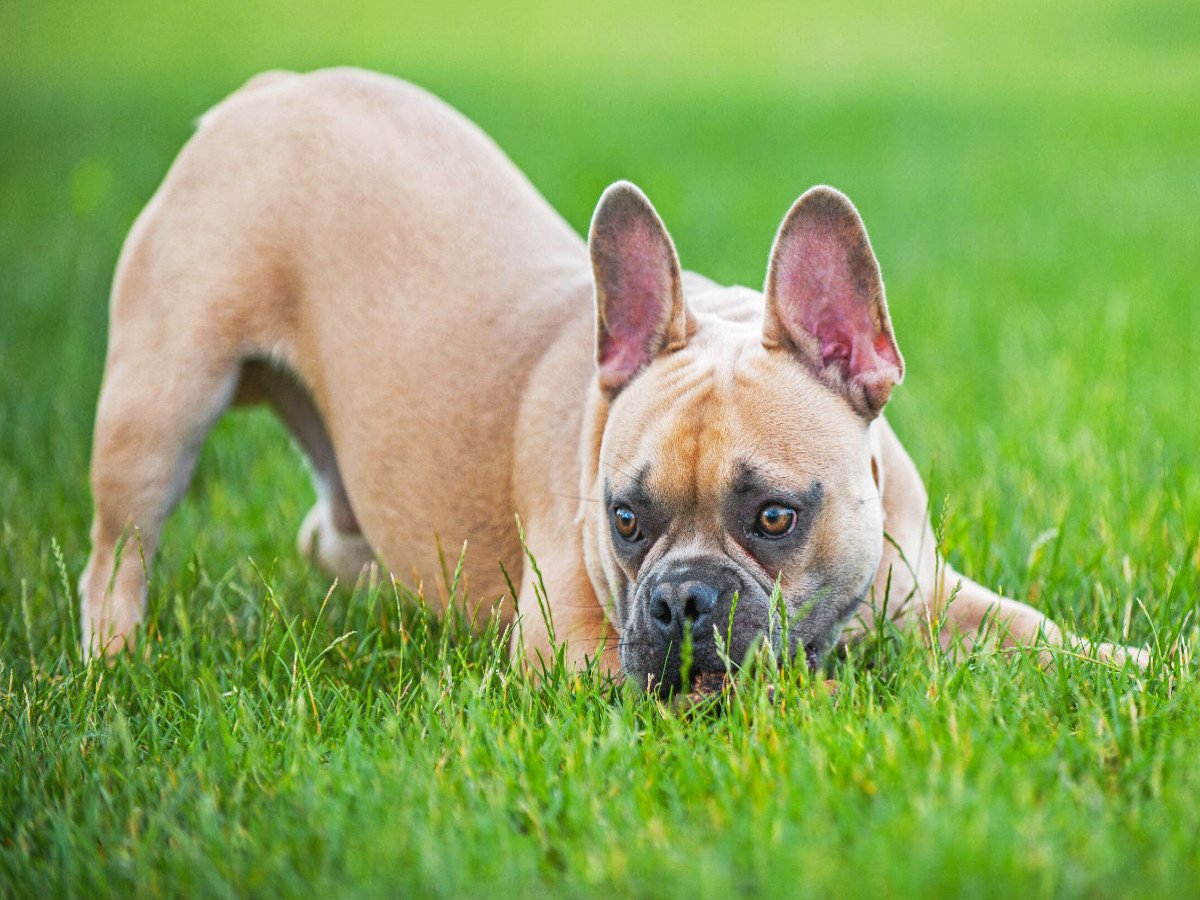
775,521
626,523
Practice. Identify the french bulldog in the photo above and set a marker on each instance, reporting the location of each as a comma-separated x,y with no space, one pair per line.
451,357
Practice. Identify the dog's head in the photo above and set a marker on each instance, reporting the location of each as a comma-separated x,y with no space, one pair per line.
729,447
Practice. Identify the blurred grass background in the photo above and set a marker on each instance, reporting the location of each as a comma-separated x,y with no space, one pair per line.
1030,176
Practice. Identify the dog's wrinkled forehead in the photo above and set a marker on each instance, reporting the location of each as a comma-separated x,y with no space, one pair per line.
689,425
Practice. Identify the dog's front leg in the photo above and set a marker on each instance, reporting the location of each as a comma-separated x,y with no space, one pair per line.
973,611
919,589
557,609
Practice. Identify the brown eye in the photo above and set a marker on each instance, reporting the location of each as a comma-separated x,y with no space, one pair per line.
626,523
775,521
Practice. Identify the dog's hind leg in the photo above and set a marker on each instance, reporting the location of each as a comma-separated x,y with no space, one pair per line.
159,399
177,338
330,534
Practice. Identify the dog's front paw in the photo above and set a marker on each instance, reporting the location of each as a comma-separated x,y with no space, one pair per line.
1119,654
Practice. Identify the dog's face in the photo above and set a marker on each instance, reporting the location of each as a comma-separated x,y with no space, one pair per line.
731,455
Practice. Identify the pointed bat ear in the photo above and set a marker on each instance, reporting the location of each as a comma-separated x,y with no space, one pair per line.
825,303
640,310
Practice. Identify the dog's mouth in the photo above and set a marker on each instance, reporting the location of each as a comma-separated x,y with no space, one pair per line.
698,682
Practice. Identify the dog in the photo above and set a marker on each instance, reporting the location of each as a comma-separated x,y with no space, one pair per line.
449,355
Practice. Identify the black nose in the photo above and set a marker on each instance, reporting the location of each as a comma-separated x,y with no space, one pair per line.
674,603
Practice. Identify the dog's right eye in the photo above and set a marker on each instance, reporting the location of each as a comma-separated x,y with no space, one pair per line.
775,521
626,523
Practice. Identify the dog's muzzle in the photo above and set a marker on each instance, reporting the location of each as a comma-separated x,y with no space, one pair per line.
689,603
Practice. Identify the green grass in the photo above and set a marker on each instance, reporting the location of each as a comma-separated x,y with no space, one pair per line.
1029,176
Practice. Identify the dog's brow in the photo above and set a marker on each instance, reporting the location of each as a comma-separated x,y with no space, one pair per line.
636,493
752,480
749,478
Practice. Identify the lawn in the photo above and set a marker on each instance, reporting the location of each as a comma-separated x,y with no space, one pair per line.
1030,176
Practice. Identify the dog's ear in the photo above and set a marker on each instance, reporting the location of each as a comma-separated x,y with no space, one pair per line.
825,303
640,310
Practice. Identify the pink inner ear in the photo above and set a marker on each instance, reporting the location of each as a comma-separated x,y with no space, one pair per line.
636,281
824,293
847,345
